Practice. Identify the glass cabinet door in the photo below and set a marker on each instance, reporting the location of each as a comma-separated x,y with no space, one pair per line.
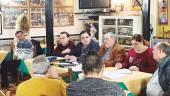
125,27
109,25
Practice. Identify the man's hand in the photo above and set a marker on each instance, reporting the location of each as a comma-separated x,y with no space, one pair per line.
66,51
70,58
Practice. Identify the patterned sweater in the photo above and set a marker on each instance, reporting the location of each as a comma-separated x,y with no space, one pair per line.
94,87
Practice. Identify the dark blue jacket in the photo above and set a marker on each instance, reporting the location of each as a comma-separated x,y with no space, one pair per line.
93,46
164,75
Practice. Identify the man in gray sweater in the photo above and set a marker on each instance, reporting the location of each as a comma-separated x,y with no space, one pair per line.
93,84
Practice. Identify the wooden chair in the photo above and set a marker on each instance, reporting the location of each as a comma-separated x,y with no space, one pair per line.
2,93
64,72
7,93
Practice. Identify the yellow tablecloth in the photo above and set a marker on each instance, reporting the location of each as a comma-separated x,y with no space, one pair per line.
28,64
43,45
134,82
2,55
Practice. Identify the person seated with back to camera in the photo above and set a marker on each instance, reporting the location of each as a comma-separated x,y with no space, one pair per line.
65,46
83,47
111,52
44,80
93,84
140,57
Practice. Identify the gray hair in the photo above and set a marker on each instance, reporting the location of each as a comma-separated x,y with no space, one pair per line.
40,65
164,46
111,35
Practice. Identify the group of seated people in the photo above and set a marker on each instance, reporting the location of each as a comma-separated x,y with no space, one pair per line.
47,83
94,58
139,57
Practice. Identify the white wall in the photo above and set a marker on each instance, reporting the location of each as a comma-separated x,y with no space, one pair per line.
75,29
153,15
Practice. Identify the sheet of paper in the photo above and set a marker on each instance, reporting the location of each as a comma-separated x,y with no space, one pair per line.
116,74
64,64
60,58
77,68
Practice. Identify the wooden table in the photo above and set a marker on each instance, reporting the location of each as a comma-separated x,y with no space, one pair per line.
2,55
134,81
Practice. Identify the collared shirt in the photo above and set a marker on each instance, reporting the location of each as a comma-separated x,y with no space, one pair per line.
39,75
26,44
154,85
106,55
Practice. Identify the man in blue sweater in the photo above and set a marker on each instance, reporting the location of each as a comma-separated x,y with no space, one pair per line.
83,47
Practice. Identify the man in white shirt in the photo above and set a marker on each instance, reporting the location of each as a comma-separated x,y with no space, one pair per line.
159,85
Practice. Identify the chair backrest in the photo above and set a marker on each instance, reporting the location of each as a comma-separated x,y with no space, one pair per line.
37,48
2,93
7,93
67,76
70,74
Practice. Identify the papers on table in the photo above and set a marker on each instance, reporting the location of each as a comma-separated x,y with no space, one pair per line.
60,58
64,64
116,73
51,58
54,58
77,68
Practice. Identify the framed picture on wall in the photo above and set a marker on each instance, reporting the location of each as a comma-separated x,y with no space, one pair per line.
163,11
1,23
135,5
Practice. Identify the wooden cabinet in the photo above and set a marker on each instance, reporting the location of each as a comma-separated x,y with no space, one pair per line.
35,9
124,27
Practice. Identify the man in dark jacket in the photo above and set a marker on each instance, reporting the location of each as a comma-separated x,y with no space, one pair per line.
160,80
82,48
65,46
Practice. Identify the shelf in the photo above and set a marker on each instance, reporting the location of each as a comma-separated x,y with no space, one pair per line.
95,12
112,26
125,26
63,6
